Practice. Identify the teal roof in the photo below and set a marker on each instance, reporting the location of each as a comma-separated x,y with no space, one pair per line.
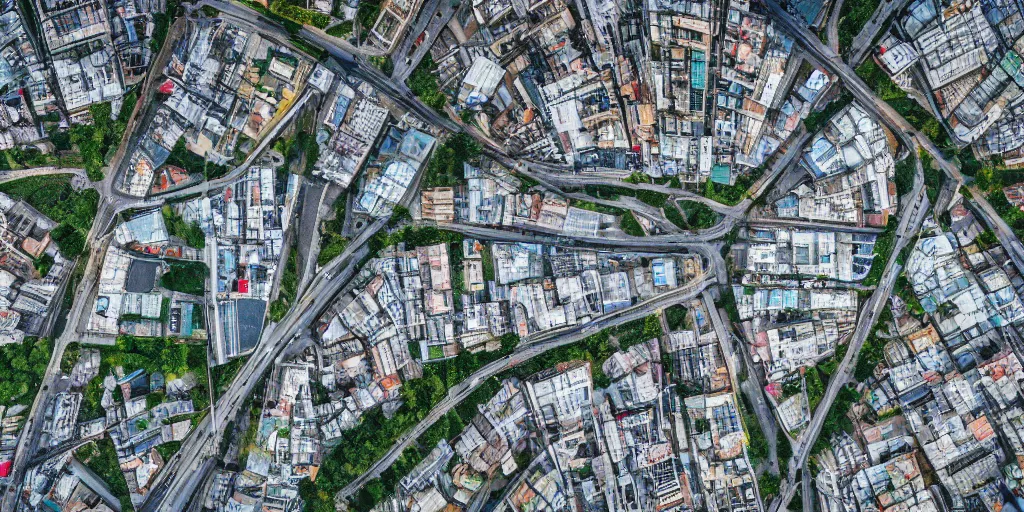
1014,66
698,70
186,319
720,174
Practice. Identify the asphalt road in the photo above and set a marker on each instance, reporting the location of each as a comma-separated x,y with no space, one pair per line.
96,484
202,442
1003,231
190,458
655,244
911,215
843,228
6,176
861,45
111,202
232,176
864,94
555,175
522,353
833,26
433,16
910,222
31,435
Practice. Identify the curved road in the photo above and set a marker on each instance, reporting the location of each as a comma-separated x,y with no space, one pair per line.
178,480
522,353
912,214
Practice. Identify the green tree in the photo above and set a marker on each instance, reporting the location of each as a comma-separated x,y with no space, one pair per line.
186,277
423,83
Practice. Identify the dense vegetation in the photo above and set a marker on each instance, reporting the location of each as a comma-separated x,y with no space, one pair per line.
905,170
727,300
768,484
1013,215
994,177
816,119
343,29
97,141
332,244
294,12
991,180
906,292
732,194
630,225
101,457
526,183
676,217
815,387
933,177
758,446
873,351
54,197
487,261
367,13
836,420
189,232
222,376
677,317
186,277
415,237
288,289
695,215
162,21
636,331
651,197
43,264
26,365
168,449
445,168
655,199
150,354
300,148
599,208
852,18
423,83
23,158
181,157
884,245
364,445
383,63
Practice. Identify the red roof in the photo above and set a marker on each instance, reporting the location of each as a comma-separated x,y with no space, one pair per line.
5,469
167,87
243,286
